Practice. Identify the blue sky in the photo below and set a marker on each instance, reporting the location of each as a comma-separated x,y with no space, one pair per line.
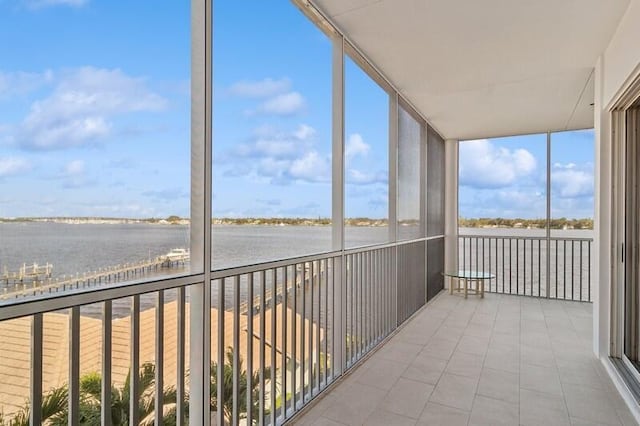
272,119
94,108
506,177
95,120
95,113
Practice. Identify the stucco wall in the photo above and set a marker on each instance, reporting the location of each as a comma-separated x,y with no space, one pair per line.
622,56
615,69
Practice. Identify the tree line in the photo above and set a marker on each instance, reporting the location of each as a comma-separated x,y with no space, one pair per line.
560,223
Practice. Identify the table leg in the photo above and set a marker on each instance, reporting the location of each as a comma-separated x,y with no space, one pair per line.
482,289
450,285
464,282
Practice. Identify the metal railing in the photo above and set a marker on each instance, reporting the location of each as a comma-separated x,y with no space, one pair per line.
556,268
281,333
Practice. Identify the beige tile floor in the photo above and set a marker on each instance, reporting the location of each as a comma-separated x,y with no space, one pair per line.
501,360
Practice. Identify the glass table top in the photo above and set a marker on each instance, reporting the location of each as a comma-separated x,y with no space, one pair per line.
470,275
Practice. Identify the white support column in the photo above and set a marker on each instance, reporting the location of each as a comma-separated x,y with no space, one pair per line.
393,167
393,195
602,267
451,205
424,185
200,243
337,191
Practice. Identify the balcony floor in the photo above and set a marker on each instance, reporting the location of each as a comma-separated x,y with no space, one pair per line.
501,360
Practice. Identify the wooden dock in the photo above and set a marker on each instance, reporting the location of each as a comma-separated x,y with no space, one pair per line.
37,280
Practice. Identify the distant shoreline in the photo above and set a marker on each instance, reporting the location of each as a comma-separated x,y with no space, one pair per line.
518,223
561,223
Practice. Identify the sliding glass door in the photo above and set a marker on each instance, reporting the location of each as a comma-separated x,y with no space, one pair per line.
631,248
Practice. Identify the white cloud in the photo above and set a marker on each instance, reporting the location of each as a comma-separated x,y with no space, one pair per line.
571,181
483,165
355,146
81,107
74,175
74,168
357,177
271,168
260,89
311,167
304,132
10,166
20,83
268,147
280,157
273,143
509,202
285,104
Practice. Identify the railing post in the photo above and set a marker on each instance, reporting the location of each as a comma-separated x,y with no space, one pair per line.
35,414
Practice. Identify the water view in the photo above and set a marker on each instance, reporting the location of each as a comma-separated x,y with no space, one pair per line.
79,248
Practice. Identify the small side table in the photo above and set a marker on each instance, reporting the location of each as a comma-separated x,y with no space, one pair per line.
465,279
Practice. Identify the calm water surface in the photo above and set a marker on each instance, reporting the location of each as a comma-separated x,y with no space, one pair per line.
79,248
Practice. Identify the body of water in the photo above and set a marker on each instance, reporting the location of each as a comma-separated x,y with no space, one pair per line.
80,248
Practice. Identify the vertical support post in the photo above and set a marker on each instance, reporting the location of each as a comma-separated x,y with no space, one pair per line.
159,396
235,416
35,414
201,194
220,379
250,338
294,339
283,331
134,371
105,402
274,340
74,365
180,367
310,352
393,166
451,208
393,193
263,327
424,185
548,221
337,213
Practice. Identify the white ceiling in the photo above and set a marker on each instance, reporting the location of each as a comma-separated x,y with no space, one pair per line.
483,68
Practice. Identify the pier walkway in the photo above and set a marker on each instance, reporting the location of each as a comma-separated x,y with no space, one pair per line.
36,280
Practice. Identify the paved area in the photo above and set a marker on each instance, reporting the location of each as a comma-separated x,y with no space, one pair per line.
501,360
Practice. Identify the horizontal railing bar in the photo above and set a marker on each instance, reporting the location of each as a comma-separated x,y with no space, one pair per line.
47,303
522,237
416,240
263,266
364,249
434,237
